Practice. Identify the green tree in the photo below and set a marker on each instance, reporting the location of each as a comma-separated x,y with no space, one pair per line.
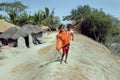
92,22
96,25
2,17
55,23
13,9
25,18
13,17
17,6
50,19
46,12
78,14
38,17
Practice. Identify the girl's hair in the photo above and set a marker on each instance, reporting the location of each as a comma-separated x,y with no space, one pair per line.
69,25
61,26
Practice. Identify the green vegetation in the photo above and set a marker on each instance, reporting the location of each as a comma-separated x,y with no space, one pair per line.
17,15
2,17
14,10
96,24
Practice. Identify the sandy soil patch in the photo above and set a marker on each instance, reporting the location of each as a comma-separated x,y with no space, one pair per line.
45,49
22,68
87,60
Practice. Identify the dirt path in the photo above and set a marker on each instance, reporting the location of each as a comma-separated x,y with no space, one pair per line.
87,60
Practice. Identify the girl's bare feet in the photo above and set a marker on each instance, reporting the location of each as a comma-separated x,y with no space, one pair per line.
60,62
66,62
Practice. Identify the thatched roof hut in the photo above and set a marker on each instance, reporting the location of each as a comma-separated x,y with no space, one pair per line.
44,27
27,30
6,37
5,25
9,33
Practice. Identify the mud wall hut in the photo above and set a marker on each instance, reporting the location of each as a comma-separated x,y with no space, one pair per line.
28,32
7,33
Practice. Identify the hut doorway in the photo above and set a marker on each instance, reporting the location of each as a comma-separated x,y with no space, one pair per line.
4,42
27,41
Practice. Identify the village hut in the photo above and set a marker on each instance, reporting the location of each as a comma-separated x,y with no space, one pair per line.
6,37
46,30
28,31
21,43
4,26
9,33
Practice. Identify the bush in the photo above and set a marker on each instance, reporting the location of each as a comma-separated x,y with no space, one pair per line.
113,43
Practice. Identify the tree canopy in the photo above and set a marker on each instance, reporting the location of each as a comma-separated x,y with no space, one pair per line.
18,15
93,22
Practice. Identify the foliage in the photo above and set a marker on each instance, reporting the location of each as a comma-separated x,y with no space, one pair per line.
18,15
2,17
25,18
50,19
12,16
98,25
113,43
17,6
56,22
38,17
13,9
93,22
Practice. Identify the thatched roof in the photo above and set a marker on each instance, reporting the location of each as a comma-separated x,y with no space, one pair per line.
44,27
5,25
9,33
26,30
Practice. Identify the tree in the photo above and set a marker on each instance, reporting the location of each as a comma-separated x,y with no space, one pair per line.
14,10
53,23
38,17
18,15
56,22
78,14
92,22
2,17
17,6
46,12
12,16
50,19
25,18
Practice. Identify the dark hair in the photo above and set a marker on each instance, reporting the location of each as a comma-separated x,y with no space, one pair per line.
61,26
69,25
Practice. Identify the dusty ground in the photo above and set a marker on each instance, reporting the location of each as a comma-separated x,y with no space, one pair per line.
88,60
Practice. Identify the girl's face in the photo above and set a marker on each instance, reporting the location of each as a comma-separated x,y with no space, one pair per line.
62,28
69,27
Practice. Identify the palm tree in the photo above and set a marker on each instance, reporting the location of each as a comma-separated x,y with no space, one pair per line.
18,7
46,12
25,18
38,17
12,16
47,17
14,10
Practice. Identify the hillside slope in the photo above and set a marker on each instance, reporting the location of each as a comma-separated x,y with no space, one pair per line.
88,60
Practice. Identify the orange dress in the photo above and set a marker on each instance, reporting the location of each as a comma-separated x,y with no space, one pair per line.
62,39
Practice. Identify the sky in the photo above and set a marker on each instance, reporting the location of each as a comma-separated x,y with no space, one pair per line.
64,7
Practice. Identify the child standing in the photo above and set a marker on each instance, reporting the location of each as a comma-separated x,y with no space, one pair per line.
63,42
71,37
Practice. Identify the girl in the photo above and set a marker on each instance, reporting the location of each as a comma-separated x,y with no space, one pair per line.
62,42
